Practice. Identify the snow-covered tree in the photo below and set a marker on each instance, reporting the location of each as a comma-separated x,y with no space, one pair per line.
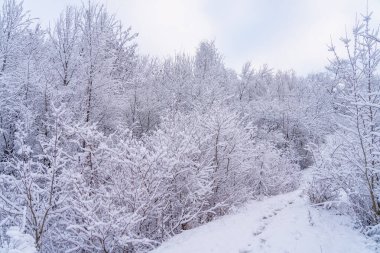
355,159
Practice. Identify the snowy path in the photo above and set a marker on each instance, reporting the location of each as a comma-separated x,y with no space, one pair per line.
280,224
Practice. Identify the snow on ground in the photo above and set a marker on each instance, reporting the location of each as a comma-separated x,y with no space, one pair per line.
281,224
19,242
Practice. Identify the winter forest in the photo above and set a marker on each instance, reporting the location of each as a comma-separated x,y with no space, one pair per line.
106,150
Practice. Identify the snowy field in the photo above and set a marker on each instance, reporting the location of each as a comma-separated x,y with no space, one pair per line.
281,224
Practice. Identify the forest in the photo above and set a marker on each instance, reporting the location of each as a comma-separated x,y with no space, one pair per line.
103,149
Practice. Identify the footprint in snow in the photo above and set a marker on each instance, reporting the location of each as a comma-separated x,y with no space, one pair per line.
259,231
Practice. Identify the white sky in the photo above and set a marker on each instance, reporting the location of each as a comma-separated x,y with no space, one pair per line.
284,34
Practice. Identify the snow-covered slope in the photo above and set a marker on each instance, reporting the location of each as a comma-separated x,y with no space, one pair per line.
284,223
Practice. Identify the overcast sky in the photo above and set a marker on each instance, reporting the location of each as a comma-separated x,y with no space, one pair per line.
284,34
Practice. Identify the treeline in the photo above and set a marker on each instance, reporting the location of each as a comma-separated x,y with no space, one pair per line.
105,150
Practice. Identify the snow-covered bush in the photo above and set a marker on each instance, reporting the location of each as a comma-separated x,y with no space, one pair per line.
276,172
323,185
